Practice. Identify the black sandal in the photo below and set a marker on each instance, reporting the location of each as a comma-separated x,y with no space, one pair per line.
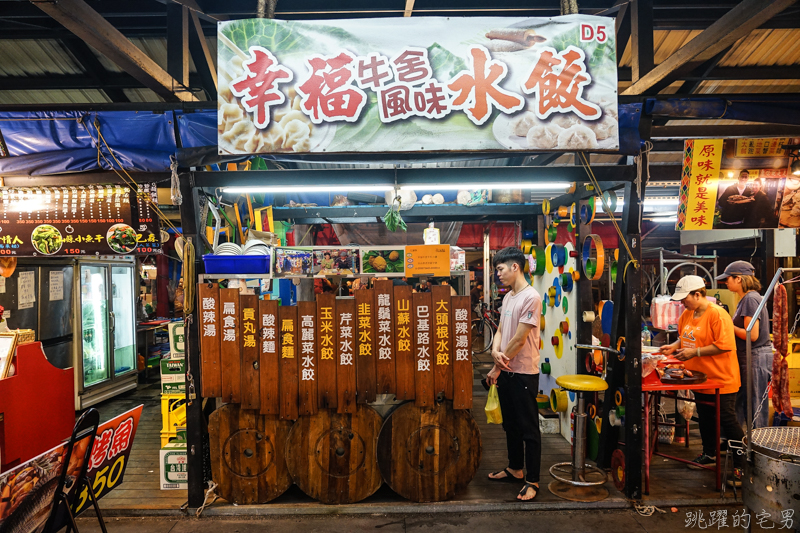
510,478
524,491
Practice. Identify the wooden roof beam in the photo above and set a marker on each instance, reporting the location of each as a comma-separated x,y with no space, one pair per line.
409,8
737,23
86,23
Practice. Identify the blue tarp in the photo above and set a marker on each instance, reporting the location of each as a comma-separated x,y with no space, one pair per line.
56,142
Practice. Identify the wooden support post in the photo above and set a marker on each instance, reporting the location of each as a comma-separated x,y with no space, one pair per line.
195,423
178,42
641,38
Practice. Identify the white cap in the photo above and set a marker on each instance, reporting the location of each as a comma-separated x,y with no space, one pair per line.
686,285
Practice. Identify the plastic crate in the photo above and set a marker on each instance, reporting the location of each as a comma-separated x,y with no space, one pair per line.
236,264
178,434
173,412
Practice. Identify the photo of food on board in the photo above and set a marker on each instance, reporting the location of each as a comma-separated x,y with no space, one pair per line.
293,262
121,238
379,261
335,261
46,239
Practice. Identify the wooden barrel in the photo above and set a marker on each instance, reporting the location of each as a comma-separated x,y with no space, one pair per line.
332,455
248,454
428,454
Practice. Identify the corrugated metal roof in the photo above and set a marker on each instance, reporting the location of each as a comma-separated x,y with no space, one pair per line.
35,58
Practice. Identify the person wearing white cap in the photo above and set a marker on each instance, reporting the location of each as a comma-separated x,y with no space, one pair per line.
740,278
706,343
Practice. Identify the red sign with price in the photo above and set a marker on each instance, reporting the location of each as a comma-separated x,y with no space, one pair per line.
27,490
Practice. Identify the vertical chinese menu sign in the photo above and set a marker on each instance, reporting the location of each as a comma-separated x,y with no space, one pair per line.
229,346
699,182
346,369
365,346
424,379
384,338
269,367
308,357
326,375
208,294
442,341
405,363
249,351
462,364
288,365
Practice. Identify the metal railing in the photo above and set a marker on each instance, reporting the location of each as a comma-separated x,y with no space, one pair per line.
748,342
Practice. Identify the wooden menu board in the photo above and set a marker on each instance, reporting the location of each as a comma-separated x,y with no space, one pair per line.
307,319
249,348
442,341
229,346
365,346
208,296
404,343
269,366
326,341
422,316
384,337
287,325
345,325
462,353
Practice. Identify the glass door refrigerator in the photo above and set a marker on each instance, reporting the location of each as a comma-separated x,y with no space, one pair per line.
106,348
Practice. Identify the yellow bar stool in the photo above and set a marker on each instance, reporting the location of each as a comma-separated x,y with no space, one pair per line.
578,481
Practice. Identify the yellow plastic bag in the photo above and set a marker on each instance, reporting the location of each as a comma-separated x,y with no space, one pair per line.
493,413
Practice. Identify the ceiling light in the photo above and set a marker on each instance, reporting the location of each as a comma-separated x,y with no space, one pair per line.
540,186
665,219
306,188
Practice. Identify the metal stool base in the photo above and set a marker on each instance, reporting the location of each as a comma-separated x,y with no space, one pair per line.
594,477
577,494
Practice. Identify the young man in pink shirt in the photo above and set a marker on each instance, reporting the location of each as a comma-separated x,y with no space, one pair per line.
515,351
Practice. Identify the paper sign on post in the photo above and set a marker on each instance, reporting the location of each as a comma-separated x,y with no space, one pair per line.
424,260
26,290
56,285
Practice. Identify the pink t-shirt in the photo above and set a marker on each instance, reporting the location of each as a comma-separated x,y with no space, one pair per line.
526,307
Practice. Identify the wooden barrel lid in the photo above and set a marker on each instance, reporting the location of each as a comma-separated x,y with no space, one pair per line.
332,455
429,454
248,454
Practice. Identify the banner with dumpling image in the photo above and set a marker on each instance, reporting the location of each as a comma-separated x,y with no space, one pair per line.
417,84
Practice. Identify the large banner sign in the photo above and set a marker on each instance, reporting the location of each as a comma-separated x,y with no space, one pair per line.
716,196
27,490
417,84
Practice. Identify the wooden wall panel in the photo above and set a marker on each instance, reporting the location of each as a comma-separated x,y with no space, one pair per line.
210,334
328,349
462,353
384,337
307,319
269,357
404,343
229,346
366,379
441,325
287,324
422,316
249,348
345,319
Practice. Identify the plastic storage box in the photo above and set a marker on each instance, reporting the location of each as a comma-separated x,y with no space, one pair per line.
236,264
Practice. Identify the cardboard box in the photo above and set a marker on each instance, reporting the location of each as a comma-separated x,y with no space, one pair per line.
176,338
794,382
173,466
173,376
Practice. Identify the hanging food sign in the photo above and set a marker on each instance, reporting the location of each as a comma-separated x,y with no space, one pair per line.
417,84
717,192
75,220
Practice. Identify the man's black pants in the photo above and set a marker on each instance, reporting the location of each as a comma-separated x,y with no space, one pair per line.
517,394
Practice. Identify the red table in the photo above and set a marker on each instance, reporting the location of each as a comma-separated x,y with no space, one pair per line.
652,384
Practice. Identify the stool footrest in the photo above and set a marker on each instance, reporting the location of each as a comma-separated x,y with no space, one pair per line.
563,473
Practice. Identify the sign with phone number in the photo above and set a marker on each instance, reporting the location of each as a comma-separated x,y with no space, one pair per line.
78,220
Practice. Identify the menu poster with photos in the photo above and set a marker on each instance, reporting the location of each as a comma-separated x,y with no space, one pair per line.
76,220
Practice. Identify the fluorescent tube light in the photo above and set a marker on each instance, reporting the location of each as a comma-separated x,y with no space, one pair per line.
664,219
306,188
541,186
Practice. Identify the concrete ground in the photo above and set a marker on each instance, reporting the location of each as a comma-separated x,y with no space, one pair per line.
596,521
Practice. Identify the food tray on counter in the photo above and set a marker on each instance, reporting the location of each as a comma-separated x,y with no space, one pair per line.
236,264
696,379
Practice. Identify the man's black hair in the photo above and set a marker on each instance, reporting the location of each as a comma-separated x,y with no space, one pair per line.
508,256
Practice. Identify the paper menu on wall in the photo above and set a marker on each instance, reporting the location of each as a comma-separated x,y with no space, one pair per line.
56,285
26,290
2,285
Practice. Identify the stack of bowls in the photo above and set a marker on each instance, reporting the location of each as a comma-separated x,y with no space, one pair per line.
228,248
255,248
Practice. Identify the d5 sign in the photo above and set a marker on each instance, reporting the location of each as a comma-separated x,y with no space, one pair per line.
590,32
